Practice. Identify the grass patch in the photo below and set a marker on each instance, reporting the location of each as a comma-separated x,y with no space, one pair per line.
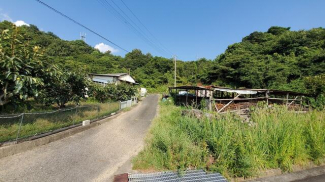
278,139
34,124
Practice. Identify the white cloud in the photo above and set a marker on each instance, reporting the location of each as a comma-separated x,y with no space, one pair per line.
103,48
19,23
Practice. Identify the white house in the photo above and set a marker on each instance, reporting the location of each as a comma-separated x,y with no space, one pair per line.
114,78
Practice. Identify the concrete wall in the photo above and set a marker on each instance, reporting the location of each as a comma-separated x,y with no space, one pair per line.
128,103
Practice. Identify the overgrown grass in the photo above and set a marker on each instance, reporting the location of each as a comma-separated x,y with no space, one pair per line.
34,124
158,89
278,139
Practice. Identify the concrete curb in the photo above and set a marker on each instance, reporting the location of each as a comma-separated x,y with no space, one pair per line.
299,175
48,138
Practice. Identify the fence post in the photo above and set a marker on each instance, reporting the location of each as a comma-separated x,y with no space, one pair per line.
120,105
76,115
21,121
97,112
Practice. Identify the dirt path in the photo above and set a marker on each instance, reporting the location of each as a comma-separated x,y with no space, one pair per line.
92,155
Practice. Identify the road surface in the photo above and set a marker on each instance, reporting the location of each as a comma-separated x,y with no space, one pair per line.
320,178
93,155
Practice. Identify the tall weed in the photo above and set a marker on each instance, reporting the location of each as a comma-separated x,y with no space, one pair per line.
278,139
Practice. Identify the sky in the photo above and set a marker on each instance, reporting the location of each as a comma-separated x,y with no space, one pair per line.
189,29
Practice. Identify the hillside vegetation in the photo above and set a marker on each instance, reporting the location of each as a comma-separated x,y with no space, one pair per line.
278,59
77,56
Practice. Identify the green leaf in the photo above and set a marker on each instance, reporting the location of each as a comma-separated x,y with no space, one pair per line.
18,87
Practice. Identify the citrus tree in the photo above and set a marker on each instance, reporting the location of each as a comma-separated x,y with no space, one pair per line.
22,67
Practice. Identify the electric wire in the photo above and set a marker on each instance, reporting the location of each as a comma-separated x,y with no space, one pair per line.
109,6
118,15
136,25
76,22
145,27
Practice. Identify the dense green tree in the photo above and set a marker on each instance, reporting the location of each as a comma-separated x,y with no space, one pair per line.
63,88
22,67
277,58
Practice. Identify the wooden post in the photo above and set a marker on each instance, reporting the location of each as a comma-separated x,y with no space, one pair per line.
287,99
176,97
267,97
186,96
196,92
210,101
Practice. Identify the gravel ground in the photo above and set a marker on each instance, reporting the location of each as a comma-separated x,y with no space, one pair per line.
93,155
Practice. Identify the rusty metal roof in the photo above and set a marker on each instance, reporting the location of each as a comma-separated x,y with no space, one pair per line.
261,90
226,89
187,87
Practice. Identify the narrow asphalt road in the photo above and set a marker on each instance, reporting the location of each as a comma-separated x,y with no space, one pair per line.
320,178
93,155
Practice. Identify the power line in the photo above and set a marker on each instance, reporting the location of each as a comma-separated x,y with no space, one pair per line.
74,21
145,27
148,37
128,21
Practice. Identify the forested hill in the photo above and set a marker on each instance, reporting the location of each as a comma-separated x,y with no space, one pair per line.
148,70
278,58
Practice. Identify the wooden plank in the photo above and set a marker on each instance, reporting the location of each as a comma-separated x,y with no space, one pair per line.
257,98
215,105
293,101
228,103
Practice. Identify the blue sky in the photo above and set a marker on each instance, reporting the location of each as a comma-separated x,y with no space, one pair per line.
190,29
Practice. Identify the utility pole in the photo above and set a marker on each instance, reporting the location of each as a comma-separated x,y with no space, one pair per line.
83,36
175,70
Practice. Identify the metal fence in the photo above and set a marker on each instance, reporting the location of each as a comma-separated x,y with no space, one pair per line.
15,127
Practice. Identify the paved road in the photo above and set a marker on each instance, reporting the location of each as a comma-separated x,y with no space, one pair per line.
92,155
320,178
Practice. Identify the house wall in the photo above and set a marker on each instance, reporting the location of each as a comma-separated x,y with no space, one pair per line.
127,78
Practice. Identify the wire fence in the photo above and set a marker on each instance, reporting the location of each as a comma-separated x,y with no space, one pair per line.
16,127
